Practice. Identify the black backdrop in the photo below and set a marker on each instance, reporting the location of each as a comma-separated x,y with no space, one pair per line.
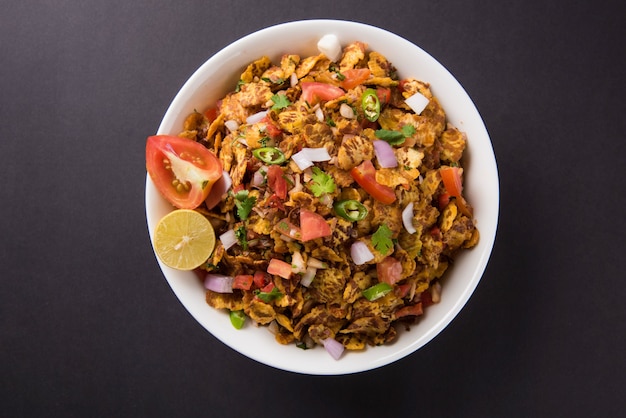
89,326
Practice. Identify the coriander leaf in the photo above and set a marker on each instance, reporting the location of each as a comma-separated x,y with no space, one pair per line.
321,182
242,237
393,137
381,239
239,84
244,204
408,131
280,101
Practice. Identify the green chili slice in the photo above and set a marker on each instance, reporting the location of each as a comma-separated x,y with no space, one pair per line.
370,104
237,318
350,210
377,291
269,155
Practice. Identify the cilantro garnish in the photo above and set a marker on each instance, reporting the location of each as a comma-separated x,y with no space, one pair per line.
381,239
239,84
242,237
396,137
280,101
333,67
321,182
244,204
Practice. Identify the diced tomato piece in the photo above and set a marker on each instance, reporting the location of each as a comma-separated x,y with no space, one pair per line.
272,130
279,268
384,94
243,281
354,77
444,199
452,180
211,114
402,290
268,287
365,175
261,279
313,92
410,310
313,225
276,181
426,298
389,270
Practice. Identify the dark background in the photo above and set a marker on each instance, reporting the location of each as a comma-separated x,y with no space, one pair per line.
88,324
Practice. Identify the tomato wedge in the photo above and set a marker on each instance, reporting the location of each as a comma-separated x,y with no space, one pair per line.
276,181
454,187
313,225
354,77
182,170
313,92
452,180
365,175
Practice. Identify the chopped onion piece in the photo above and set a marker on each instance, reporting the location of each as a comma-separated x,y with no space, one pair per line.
258,178
297,263
384,154
417,102
316,154
228,239
232,125
219,188
329,45
308,276
318,264
435,292
319,114
333,347
273,327
218,283
305,157
257,117
346,111
360,253
301,161
407,218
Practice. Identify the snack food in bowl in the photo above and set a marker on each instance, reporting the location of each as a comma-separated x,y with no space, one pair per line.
341,149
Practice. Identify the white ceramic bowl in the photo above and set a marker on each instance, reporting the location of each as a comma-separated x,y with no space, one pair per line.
219,75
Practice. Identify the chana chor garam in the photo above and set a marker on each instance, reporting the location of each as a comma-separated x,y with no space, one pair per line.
334,189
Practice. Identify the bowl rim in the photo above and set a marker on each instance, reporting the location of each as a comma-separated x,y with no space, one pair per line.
315,364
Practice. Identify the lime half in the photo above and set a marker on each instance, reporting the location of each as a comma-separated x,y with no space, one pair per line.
184,239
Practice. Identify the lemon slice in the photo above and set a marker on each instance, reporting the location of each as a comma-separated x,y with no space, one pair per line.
183,239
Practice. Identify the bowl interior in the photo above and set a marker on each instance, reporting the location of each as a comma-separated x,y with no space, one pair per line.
219,75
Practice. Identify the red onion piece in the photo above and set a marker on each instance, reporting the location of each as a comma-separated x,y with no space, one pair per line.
333,347
384,154
360,253
407,218
228,239
219,188
218,283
